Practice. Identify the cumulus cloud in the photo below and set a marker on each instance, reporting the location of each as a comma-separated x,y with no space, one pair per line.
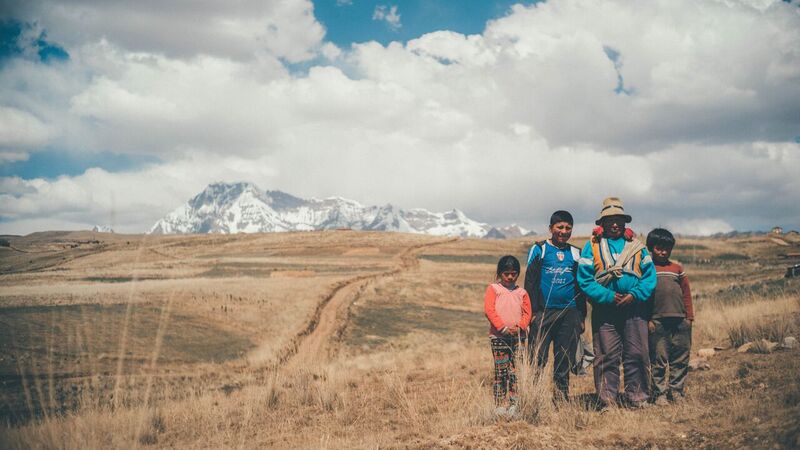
134,200
20,129
700,227
239,30
389,15
13,157
508,125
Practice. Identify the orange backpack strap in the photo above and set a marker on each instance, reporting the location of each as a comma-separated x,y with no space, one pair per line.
598,259
637,263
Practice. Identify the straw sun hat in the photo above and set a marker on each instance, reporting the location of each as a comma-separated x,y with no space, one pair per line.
612,206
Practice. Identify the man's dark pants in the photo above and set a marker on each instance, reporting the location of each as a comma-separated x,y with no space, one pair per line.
620,335
670,348
561,327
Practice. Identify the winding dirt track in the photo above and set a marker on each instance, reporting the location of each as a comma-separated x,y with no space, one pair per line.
313,346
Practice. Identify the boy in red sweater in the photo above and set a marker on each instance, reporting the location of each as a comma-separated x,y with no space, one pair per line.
670,323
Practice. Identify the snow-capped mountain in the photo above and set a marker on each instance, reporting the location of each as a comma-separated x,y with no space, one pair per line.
512,231
244,208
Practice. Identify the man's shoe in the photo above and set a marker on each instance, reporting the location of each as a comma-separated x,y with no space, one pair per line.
640,405
678,397
604,408
511,412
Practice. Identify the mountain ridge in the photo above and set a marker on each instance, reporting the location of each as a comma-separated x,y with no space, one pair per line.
244,208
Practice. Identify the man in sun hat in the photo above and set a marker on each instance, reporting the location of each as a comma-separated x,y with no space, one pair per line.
618,276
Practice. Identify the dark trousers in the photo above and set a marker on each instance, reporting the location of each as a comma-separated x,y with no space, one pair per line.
670,347
561,327
620,335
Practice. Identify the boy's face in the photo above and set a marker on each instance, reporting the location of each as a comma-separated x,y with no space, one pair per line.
509,277
613,226
661,254
561,232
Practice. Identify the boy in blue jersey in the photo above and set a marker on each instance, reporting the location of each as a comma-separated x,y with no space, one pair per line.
618,277
559,307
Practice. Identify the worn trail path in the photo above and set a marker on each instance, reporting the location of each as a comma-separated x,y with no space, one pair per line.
314,346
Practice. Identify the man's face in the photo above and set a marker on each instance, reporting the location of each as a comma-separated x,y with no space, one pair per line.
613,226
561,232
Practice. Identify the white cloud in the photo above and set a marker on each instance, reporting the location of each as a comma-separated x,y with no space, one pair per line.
388,14
20,129
508,125
135,200
239,30
330,51
700,227
6,157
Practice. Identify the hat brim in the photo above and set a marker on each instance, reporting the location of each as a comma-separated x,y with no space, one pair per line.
628,218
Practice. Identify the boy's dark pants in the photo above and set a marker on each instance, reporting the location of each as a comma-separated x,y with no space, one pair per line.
620,335
561,328
670,346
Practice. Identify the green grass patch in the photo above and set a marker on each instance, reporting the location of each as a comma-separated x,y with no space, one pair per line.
689,247
772,288
66,352
118,279
731,257
261,270
377,325
80,338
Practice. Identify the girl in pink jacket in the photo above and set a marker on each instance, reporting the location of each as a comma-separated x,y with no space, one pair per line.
508,308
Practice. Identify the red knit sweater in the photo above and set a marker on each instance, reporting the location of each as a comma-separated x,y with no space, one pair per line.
672,296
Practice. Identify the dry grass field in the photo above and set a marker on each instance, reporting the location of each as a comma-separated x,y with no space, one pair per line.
346,339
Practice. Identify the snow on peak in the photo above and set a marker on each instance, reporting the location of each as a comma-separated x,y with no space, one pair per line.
244,208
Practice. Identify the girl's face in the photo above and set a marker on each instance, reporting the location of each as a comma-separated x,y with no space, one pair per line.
509,277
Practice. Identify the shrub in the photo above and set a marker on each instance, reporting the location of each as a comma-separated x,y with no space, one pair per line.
732,257
771,329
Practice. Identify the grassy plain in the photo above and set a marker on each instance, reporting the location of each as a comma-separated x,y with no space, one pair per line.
346,339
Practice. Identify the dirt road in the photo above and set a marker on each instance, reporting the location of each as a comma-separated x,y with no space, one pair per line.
313,346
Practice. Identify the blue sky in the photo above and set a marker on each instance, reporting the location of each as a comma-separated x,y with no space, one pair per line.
52,163
10,32
349,22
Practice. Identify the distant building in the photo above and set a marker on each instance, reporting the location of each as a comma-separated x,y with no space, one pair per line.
777,230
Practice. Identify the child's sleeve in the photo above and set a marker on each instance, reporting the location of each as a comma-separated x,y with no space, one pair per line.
526,312
488,308
586,281
687,294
